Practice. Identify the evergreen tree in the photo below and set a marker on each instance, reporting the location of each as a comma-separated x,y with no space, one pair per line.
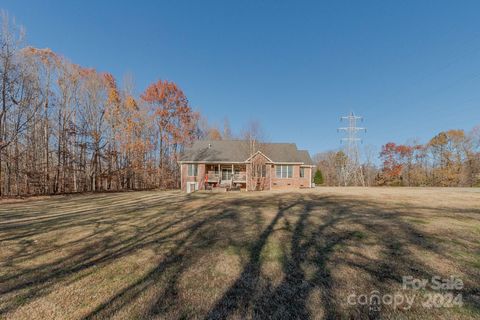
318,178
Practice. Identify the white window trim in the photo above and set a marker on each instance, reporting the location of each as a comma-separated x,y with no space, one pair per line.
195,171
281,171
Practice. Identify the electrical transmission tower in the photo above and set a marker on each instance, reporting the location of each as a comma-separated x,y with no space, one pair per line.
351,171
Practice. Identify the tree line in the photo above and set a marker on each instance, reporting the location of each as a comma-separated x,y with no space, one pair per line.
449,159
66,128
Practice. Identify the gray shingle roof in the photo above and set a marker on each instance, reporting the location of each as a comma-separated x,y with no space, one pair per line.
239,151
305,157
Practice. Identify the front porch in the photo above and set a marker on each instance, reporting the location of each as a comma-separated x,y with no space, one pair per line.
225,176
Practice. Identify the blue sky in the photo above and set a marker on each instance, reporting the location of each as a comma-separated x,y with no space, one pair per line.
411,68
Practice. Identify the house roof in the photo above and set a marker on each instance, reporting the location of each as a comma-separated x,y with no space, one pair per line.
239,151
305,157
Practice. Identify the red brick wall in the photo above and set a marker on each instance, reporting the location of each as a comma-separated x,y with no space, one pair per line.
249,176
200,178
263,183
267,183
295,182
307,180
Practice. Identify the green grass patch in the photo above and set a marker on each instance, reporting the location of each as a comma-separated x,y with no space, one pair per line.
339,246
232,250
477,228
467,310
476,262
359,235
272,251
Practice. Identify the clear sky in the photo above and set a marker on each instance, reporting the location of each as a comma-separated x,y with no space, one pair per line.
411,68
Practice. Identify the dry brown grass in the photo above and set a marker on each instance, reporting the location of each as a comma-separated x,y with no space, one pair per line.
168,255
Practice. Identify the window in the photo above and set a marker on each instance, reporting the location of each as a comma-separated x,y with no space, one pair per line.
284,171
260,171
302,172
290,171
192,170
227,174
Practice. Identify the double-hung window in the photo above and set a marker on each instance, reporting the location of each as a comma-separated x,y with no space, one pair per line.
192,170
284,171
260,171
302,172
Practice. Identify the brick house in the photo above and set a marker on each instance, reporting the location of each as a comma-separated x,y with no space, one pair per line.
236,164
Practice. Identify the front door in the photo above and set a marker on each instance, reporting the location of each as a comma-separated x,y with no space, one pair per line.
226,174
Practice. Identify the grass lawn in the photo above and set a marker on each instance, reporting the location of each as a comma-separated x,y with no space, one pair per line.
308,254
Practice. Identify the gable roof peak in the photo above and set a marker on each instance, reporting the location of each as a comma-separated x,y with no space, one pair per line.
235,150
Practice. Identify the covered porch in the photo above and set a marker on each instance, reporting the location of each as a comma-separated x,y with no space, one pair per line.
227,176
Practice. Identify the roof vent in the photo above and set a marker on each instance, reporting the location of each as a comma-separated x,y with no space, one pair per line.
209,145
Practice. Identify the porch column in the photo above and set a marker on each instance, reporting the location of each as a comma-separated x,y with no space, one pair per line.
310,177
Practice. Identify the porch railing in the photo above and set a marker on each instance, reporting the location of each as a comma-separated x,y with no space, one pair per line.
214,176
240,177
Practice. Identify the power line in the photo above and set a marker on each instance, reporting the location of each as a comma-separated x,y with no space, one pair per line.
351,170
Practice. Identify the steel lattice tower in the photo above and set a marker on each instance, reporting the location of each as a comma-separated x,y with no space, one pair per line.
351,171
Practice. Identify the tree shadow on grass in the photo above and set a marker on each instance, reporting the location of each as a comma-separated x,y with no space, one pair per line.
314,244
99,248
318,236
